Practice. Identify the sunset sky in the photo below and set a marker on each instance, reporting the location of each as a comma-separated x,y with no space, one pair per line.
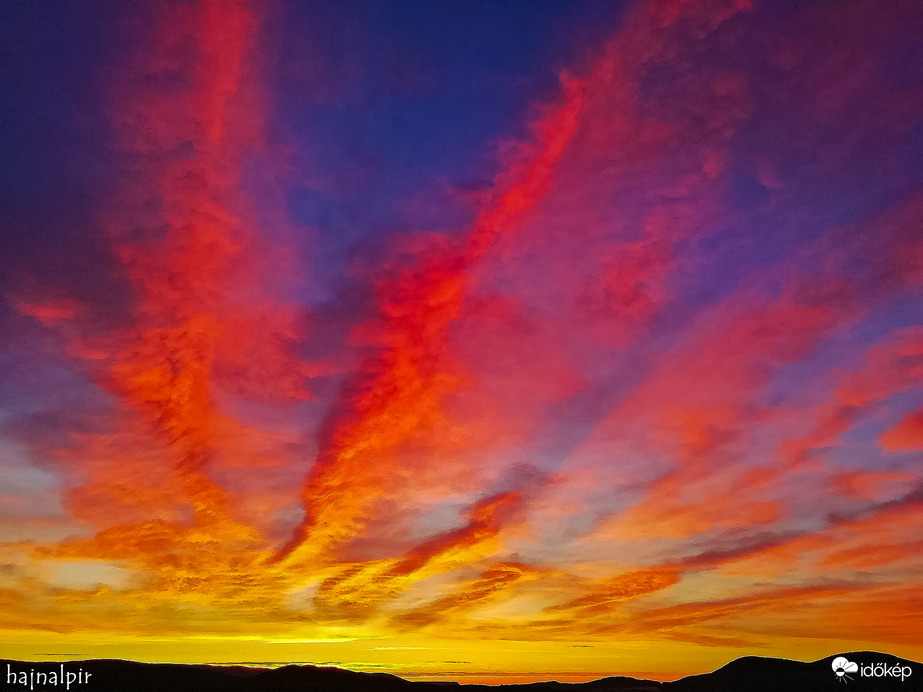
476,340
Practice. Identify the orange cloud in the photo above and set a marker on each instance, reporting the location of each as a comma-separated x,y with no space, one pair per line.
491,585
624,587
402,388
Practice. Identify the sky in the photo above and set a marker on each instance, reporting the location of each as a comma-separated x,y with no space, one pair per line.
484,341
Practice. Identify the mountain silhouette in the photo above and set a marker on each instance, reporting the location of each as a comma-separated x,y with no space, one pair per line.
751,673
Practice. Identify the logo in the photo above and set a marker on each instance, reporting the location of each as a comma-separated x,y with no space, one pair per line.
842,666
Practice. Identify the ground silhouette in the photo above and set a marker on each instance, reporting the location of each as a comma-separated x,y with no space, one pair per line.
751,673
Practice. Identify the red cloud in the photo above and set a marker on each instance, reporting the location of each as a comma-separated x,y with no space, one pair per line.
907,435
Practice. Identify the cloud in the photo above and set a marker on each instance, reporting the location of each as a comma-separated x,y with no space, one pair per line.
615,591
890,367
906,435
402,386
489,586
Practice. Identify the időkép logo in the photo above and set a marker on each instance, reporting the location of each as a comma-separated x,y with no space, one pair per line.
842,667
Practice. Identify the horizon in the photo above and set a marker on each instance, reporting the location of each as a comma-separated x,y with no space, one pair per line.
476,678
491,341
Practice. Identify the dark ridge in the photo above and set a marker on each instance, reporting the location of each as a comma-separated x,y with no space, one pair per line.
751,673
758,674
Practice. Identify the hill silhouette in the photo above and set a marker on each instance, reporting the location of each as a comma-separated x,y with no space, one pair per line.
751,673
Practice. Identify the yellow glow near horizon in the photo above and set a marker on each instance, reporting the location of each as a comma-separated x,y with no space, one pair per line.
434,659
